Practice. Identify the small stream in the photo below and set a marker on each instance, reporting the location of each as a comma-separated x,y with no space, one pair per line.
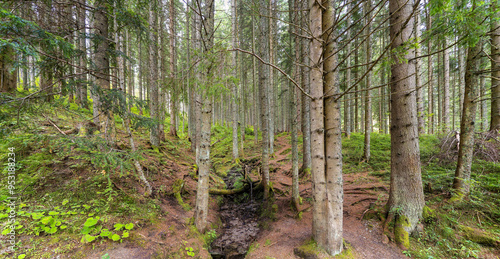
239,215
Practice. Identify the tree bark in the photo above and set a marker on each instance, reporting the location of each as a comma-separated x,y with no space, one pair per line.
332,136
173,71
82,85
406,192
446,88
347,97
483,115
368,103
8,75
319,224
495,66
154,136
461,183
234,88
430,87
101,60
201,210
294,19
271,86
306,102
418,81
263,92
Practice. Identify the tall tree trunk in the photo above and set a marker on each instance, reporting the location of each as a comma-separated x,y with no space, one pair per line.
263,92
234,88
173,71
201,210
191,92
454,94
254,82
461,86
347,97
46,74
154,136
271,84
294,19
406,192
306,102
446,88
418,79
82,85
130,69
495,66
482,89
319,224
368,103
461,183
161,71
430,87
356,88
102,62
332,136
8,76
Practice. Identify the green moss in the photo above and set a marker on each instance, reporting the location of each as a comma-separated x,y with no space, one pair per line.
401,234
177,188
480,236
457,197
428,214
309,249
347,253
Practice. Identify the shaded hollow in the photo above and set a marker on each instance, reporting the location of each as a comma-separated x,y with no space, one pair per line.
239,214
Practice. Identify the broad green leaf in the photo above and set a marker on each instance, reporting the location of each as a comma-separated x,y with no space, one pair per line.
115,237
90,222
125,234
52,230
105,233
46,220
129,226
86,230
118,226
88,238
36,216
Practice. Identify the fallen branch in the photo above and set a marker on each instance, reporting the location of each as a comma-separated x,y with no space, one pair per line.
213,144
53,124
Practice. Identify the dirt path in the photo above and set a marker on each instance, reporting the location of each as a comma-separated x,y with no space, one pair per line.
286,233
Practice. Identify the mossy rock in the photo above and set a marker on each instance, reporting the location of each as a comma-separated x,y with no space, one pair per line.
309,250
481,237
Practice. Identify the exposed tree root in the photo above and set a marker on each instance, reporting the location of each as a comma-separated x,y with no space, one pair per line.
257,186
385,232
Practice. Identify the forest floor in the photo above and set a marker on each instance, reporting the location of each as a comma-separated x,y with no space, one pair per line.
281,235
72,194
286,232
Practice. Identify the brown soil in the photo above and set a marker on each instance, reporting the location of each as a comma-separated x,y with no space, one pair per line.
286,232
